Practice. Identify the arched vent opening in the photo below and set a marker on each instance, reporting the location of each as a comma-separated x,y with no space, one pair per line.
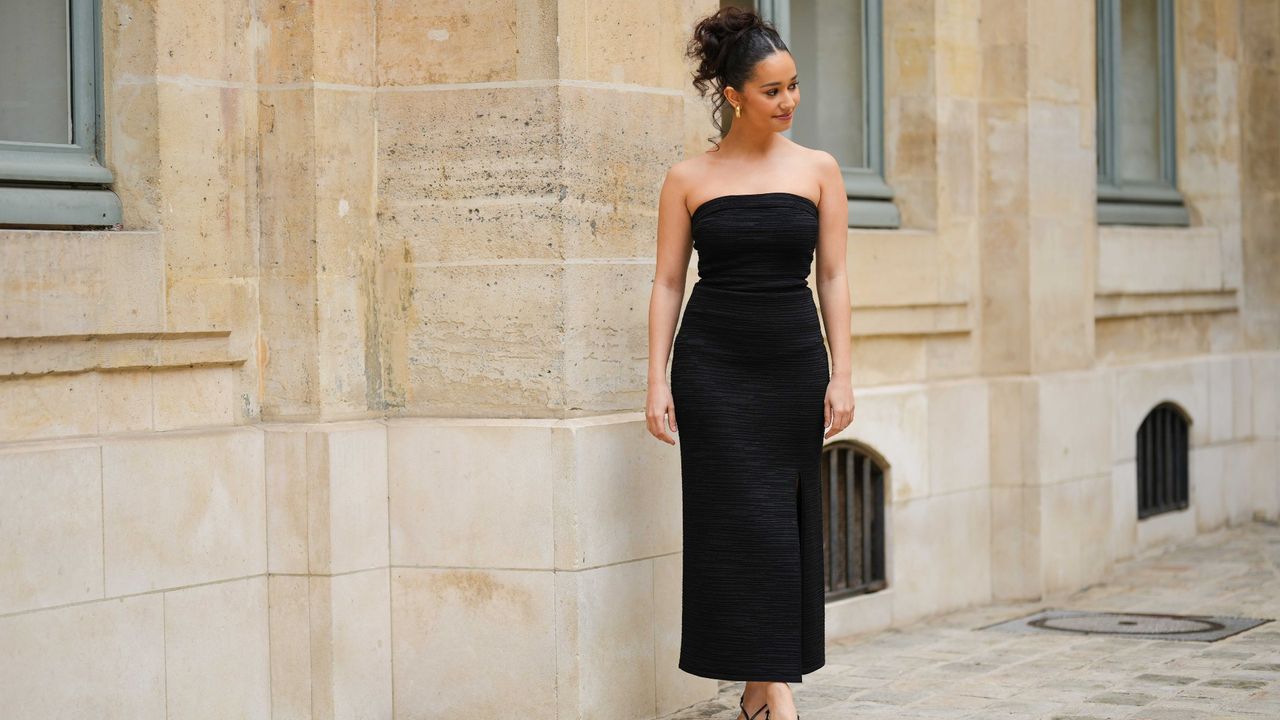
1162,461
853,512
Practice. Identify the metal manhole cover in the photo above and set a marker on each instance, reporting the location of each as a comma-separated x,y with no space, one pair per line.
1155,626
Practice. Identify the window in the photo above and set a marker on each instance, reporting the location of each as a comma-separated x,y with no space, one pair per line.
1137,173
852,521
836,46
50,99
1162,461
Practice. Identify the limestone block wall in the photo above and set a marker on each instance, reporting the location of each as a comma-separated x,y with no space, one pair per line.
1189,303
136,366
1259,92
132,506
181,114
938,501
322,275
529,547
1034,492
135,582
343,421
912,288
1232,401
521,208
328,569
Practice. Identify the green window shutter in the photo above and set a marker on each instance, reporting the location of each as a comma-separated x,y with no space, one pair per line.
1137,165
839,53
50,116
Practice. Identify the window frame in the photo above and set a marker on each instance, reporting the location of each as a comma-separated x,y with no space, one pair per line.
870,196
1131,202
65,184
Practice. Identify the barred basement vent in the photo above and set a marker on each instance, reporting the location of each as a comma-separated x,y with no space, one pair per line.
853,508
1162,461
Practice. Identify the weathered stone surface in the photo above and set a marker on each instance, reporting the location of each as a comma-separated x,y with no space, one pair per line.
445,213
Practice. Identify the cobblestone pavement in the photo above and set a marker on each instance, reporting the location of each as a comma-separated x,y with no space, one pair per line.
944,667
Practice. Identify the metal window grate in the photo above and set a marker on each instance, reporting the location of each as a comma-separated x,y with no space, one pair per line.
1162,461
853,521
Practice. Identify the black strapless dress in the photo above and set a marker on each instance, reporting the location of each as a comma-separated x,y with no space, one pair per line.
749,374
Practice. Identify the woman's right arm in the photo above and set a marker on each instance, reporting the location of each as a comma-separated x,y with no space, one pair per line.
675,246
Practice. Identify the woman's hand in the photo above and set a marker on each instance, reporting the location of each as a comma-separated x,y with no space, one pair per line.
839,405
659,409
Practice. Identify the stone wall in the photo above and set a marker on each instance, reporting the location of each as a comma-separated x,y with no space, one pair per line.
345,420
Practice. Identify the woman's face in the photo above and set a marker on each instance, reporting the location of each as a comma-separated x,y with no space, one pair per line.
770,97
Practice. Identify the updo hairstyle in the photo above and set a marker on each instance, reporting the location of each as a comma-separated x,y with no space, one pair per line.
727,45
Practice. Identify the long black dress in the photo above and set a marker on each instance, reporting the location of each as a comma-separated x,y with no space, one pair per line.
749,374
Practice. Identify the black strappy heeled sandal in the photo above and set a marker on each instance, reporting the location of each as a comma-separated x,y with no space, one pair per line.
742,704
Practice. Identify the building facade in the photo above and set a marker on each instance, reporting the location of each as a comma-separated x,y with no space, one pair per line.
324,334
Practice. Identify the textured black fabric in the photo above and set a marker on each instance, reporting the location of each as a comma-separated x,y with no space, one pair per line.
749,374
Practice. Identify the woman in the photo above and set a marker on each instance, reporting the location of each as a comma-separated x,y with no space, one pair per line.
750,378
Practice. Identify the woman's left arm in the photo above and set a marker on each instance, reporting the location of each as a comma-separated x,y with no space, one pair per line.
833,291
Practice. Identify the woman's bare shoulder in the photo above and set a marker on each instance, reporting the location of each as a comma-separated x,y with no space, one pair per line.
814,156
687,169
685,175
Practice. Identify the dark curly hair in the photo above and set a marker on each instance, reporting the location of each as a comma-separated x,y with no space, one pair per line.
727,45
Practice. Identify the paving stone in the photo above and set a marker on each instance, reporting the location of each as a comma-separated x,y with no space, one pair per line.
1121,698
1214,695
953,701
967,667
1265,709
1225,655
1172,712
1058,696
945,667
1165,679
889,697
1094,711
1235,683
984,688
